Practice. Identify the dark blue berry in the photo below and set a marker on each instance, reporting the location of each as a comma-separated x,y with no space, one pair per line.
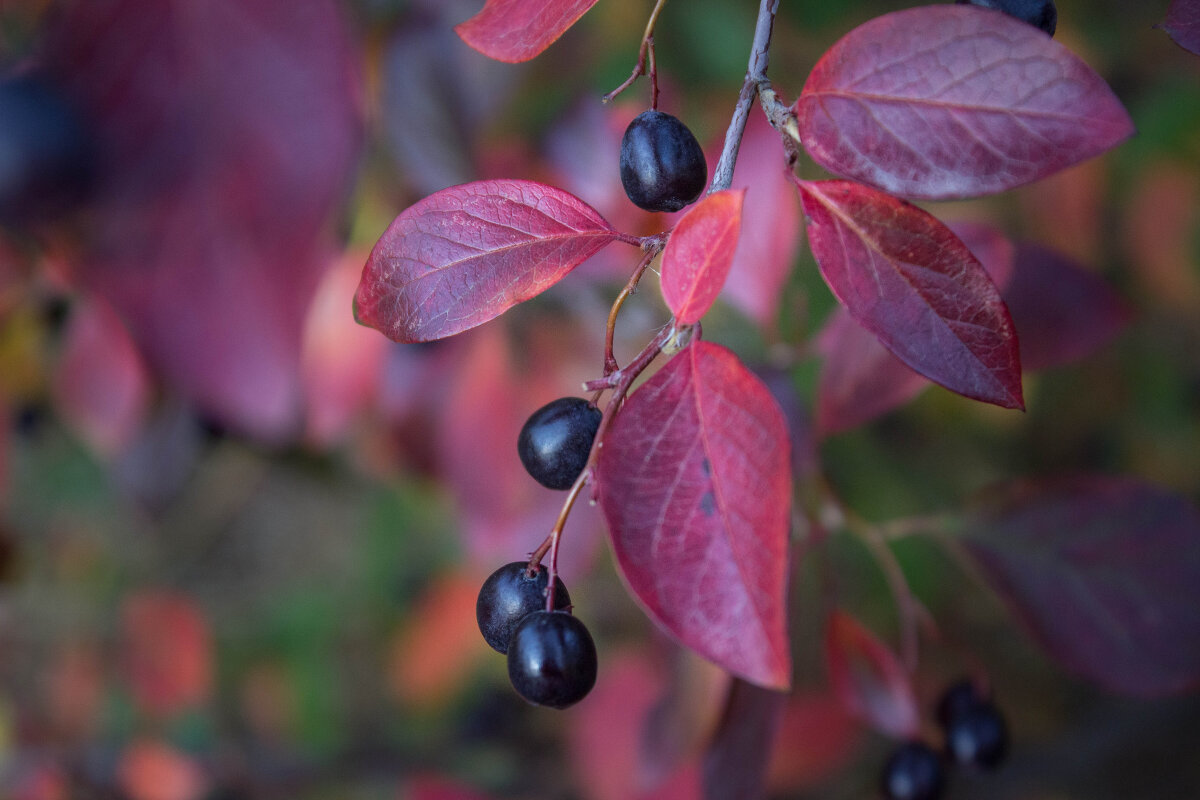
552,659
556,440
977,738
1038,13
913,772
508,596
662,164
959,697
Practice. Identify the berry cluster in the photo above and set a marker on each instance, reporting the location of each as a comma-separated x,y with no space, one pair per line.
976,738
551,656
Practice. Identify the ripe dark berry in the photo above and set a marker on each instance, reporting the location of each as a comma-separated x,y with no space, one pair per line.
555,442
913,772
46,154
508,596
977,737
552,659
662,165
959,698
1038,13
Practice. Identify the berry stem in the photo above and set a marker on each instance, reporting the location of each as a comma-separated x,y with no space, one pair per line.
756,75
551,543
645,61
610,361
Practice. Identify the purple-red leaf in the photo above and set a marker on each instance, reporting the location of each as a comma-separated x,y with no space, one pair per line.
699,253
1103,572
909,280
466,254
518,30
694,483
1062,311
869,679
1183,24
736,762
226,132
860,380
954,101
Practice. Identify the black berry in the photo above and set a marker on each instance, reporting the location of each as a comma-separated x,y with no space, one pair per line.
959,698
1038,13
508,596
662,165
913,772
46,155
977,737
555,442
552,659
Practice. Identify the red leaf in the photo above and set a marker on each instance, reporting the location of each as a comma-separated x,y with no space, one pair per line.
736,763
1062,312
152,770
433,787
100,383
1183,24
817,738
770,238
909,280
1103,572
518,30
694,482
954,101
168,651
869,679
227,131
466,254
860,380
699,254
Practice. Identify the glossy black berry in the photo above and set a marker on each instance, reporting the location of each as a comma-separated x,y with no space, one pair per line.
1038,13
46,154
508,596
555,442
913,772
662,165
959,698
552,659
977,738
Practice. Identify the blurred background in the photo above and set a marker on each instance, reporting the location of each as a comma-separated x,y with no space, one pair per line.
241,537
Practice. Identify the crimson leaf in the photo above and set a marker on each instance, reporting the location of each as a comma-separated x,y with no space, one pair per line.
699,254
518,30
869,679
1103,572
466,254
909,280
954,101
1183,24
694,483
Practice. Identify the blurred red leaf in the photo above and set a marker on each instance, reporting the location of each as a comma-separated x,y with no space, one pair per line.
518,30
954,101
1061,311
168,652
694,483
1162,212
736,762
227,131
466,254
153,770
816,737
440,644
341,361
100,383
1183,24
770,238
869,679
1103,571
699,254
860,380
430,787
606,734
909,280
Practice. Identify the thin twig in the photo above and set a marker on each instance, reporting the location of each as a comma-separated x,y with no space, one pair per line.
756,74
645,54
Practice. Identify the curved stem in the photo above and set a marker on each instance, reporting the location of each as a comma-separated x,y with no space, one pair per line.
551,542
645,54
610,361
